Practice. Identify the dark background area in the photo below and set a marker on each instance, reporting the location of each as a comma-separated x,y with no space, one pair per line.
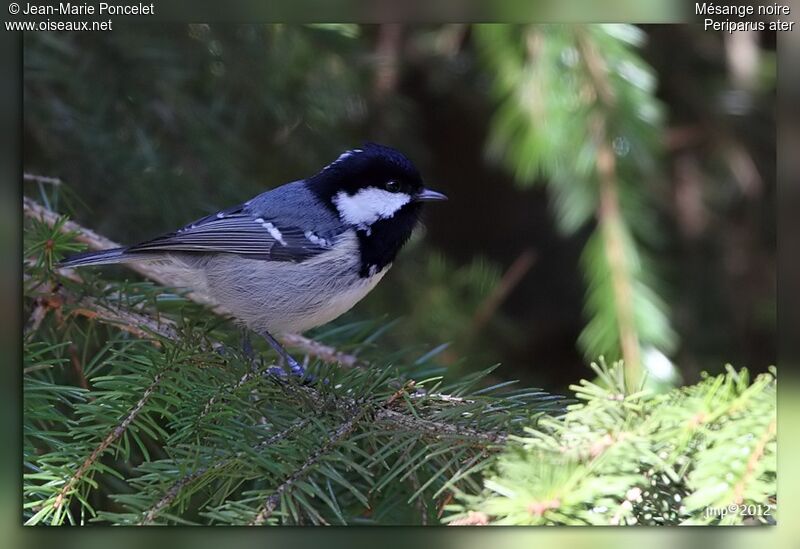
152,126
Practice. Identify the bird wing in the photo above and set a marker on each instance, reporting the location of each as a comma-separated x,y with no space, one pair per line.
239,231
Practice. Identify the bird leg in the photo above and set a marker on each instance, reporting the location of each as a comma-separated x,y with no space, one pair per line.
247,345
294,367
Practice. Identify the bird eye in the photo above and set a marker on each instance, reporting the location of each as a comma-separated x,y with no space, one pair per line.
392,186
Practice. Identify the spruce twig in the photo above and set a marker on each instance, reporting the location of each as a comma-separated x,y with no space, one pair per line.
107,441
179,485
438,429
95,241
272,502
610,216
752,462
325,353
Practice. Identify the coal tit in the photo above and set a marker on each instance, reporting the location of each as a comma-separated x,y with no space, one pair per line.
297,256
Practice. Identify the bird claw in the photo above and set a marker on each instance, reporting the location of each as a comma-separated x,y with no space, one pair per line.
297,372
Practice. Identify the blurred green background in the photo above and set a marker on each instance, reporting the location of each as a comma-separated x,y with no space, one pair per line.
152,126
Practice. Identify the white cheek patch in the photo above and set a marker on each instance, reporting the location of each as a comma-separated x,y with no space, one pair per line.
369,205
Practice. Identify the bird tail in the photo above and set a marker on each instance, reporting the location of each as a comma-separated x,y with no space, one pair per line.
103,257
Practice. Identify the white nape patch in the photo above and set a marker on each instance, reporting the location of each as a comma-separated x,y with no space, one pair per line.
369,205
343,156
317,240
273,230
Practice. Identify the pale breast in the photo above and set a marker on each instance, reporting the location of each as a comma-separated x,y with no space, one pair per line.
286,297
332,306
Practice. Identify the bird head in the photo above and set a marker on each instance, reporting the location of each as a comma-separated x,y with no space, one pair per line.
372,184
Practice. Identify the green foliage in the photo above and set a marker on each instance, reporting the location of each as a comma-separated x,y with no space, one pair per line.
206,105
566,94
649,309
547,99
642,458
445,307
139,408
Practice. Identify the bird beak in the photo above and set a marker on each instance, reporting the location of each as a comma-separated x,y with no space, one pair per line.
428,195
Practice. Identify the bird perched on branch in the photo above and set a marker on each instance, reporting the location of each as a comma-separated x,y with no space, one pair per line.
297,256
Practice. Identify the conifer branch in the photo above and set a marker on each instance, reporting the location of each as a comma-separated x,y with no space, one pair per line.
547,76
179,485
246,377
610,216
511,278
752,462
399,421
637,460
325,353
272,502
136,324
112,437
437,429
95,241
